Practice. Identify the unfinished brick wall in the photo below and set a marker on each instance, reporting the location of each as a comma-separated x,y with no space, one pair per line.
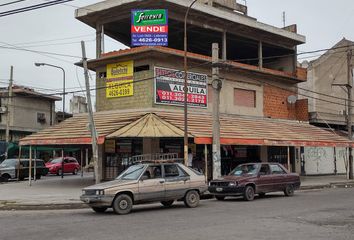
275,105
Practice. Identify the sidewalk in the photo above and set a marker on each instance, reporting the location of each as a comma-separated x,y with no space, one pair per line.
52,192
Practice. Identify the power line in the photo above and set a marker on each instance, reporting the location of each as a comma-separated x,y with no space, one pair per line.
32,7
9,3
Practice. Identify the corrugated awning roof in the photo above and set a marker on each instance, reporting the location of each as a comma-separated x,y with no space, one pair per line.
236,130
149,125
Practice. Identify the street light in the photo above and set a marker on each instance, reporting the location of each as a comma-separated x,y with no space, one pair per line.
50,65
186,87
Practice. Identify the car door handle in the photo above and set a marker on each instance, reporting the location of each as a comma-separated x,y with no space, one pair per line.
162,181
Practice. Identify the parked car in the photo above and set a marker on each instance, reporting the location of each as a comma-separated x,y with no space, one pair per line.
255,178
70,165
146,183
15,168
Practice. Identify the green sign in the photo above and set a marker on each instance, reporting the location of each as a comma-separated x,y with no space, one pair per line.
149,17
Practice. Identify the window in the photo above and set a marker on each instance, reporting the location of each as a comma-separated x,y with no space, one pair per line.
172,171
245,98
276,169
264,170
41,118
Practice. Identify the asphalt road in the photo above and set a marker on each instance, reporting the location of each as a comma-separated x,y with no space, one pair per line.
324,214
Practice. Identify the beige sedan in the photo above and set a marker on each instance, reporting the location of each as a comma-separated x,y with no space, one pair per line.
147,183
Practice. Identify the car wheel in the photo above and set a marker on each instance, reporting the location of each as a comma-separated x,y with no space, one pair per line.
38,176
167,203
99,209
6,177
75,171
220,198
289,190
122,204
262,194
191,199
59,172
248,195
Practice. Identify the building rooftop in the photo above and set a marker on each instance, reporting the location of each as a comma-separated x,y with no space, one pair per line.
29,92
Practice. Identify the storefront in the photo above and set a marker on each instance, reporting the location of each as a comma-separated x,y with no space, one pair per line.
125,134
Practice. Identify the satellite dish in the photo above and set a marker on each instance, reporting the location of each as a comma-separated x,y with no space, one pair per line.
292,99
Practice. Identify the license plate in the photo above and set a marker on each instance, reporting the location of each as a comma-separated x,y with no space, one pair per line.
219,189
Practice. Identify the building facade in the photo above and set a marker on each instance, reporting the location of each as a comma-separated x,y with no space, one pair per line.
139,91
29,112
327,77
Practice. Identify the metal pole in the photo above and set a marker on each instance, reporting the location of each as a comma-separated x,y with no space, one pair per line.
349,90
62,163
90,115
289,159
186,87
35,165
82,159
206,162
30,166
19,163
216,84
8,117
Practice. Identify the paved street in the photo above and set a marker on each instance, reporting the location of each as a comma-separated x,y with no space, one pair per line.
321,214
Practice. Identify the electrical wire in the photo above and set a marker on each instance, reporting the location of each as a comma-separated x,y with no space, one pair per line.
10,3
33,7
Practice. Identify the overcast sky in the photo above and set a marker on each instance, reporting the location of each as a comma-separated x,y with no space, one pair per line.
54,29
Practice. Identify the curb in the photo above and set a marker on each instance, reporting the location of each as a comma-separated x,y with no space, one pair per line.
45,206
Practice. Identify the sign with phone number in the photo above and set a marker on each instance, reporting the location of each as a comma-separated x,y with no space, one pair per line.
119,82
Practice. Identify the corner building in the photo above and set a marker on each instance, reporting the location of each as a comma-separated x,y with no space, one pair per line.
261,118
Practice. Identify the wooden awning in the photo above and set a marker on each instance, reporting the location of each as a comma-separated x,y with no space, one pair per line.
149,125
235,129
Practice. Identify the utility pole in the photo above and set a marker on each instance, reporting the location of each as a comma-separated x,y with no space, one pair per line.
349,89
216,84
8,116
90,116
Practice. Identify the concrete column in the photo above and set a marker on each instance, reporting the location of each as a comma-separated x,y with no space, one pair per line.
224,46
260,55
98,40
264,153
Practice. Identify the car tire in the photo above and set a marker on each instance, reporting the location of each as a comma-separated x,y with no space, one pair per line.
75,171
220,198
59,172
5,177
99,209
191,199
38,176
289,190
122,204
248,195
167,203
261,195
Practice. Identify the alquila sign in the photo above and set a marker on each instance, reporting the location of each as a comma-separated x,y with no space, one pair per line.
149,27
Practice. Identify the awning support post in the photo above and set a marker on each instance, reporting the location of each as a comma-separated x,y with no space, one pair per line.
35,165
289,159
62,163
19,163
30,166
206,162
81,160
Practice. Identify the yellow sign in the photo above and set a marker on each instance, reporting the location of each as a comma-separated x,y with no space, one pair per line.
119,81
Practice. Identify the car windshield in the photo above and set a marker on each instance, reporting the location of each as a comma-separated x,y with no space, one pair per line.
132,173
9,163
245,169
56,160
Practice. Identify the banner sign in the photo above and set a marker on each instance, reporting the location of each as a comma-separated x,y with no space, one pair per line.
119,81
149,27
169,88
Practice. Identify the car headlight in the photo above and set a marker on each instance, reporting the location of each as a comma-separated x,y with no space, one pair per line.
99,192
232,184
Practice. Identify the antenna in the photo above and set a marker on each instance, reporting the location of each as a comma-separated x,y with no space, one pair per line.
284,18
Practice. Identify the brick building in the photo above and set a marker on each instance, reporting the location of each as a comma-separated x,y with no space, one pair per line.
261,120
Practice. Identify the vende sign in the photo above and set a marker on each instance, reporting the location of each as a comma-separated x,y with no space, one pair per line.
149,27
